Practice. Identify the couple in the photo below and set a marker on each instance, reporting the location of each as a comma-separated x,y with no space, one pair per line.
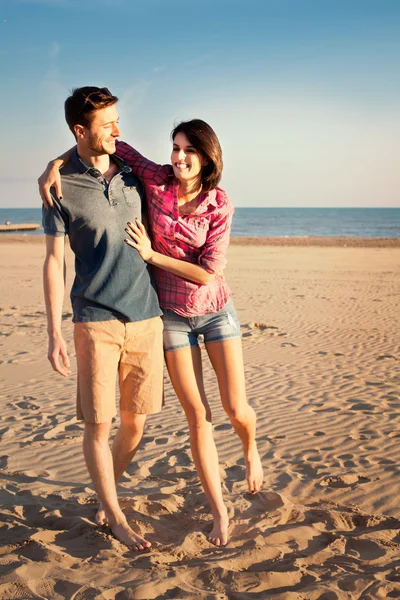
106,186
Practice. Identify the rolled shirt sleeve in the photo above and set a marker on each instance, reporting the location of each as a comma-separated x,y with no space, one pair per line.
149,172
55,220
213,255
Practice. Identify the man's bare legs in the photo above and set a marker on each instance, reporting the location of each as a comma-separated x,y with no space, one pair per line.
227,360
125,444
185,371
99,461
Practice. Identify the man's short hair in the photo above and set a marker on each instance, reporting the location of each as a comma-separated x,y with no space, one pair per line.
83,102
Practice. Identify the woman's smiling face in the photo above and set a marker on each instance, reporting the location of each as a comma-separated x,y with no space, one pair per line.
186,162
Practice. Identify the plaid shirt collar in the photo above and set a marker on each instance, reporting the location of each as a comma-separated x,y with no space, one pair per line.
205,198
211,197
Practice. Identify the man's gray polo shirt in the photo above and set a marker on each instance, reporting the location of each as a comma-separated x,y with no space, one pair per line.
111,279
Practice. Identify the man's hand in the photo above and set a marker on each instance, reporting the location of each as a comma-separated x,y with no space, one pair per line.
50,178
58,356
140,240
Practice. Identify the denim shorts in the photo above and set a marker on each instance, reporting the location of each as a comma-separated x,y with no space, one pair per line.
183,332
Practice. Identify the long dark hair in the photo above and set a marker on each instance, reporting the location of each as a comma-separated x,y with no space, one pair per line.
204,139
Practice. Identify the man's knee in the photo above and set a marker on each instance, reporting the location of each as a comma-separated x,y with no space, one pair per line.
97,431
133,421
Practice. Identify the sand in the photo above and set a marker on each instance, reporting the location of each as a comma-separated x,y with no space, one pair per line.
321,342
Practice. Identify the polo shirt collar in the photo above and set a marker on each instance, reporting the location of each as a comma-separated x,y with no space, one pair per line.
84,169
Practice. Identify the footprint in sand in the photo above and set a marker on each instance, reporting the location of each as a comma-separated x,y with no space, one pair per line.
260,328
147,439
180,433
4,432
273,439
346,461
27,405
4,461
344,481
363,406
162,441
364,549
261,504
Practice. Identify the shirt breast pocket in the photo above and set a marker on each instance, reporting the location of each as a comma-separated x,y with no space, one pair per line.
199,230
131,196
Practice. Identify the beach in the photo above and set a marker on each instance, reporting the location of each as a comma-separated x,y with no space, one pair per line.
321,341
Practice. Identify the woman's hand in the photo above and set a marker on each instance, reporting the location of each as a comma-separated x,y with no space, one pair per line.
140,240
50,178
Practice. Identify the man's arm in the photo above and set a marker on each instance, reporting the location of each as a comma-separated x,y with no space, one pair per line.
54,270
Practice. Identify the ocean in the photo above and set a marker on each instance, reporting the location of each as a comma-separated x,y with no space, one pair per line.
278,222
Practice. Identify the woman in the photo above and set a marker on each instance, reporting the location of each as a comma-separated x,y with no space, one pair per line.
190,219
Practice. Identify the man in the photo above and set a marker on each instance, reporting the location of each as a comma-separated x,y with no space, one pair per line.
118,329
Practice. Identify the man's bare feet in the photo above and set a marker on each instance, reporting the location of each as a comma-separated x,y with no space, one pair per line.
219,534
101,517
127,536
254,471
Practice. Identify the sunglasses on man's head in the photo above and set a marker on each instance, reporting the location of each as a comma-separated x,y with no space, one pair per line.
98,95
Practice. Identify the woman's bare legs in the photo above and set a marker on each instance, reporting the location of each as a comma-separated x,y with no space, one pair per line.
227,360
185,371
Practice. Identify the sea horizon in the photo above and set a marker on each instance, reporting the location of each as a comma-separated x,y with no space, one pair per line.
368,222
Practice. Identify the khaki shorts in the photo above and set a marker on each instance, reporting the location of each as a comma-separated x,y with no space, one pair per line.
134,352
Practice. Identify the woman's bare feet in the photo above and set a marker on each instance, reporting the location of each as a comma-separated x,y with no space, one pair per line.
127,536
219,534
254,471
101,517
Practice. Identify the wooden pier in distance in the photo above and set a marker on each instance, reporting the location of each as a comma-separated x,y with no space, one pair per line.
20,227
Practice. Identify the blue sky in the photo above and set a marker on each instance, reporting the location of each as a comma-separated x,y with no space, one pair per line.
303,94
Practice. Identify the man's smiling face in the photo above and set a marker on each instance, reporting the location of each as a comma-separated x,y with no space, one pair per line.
101,135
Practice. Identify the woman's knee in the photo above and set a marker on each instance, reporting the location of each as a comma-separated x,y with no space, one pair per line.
241,413
198,418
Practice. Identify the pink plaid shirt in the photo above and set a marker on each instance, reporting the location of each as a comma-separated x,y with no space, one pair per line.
201,238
